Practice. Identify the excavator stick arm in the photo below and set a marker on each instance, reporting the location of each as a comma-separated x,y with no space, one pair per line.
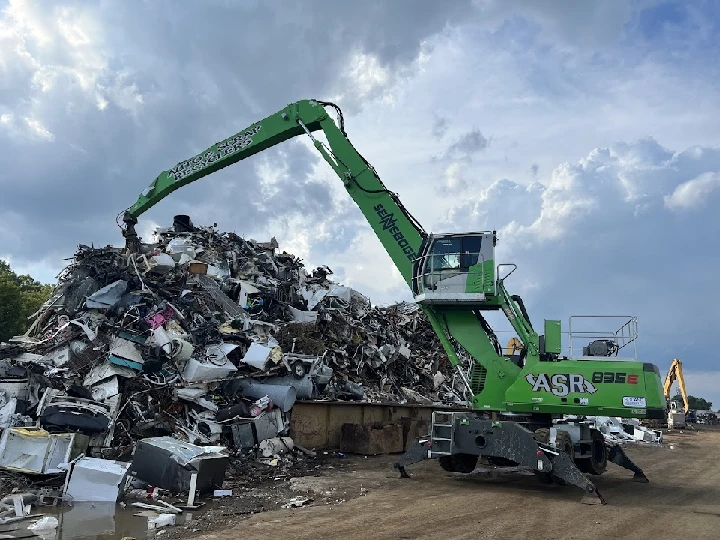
675,373
397,230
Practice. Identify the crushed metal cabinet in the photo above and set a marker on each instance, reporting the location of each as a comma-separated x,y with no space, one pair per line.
168,463
35,451
266,426
96,480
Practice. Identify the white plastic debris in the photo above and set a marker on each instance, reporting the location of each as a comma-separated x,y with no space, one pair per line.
218,354
276,446
126,349
257,355
163,520
196,395
313,296
196,371
180,246
47,523
303,316
297,502
162,263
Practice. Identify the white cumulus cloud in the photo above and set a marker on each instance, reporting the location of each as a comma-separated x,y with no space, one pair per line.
694,193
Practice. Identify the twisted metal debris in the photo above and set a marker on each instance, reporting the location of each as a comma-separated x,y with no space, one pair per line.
201,332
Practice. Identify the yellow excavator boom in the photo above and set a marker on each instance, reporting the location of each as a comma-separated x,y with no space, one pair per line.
513,346
675,374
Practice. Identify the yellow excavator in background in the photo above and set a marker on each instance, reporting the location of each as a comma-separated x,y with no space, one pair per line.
513,346
676,418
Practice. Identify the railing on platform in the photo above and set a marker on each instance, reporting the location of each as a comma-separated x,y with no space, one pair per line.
620,330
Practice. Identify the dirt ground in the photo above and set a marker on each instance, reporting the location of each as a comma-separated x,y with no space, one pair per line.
365,499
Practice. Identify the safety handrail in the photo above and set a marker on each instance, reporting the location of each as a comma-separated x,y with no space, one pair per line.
623,336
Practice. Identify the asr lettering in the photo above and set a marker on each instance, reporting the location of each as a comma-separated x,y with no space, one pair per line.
560,384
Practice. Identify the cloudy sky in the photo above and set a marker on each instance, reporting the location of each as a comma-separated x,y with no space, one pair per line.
586,133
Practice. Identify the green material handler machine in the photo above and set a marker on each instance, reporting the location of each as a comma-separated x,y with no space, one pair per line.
520,404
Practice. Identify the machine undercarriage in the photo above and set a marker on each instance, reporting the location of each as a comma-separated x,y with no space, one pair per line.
556,451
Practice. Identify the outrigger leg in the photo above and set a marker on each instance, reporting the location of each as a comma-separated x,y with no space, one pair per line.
618,456
417,451
474,436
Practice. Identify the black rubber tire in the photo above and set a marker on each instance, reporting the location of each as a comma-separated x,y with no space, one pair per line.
598,453
298,370
462,463
542,435
564,443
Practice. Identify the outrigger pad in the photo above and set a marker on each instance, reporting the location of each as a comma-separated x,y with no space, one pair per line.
641,478
565,469
593,497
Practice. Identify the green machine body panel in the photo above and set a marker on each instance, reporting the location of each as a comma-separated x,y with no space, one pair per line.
587,387
553,337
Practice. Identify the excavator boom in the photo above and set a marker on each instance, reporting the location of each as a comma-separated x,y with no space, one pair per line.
675,373
398,231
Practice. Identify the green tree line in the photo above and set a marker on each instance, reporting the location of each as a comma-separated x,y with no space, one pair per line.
20,297
696,404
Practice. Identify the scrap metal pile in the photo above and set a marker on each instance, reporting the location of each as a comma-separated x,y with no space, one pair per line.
207,338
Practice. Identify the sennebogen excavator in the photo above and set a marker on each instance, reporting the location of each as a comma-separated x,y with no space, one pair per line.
520,403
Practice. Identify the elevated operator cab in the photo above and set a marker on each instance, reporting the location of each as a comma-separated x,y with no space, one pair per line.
456,268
